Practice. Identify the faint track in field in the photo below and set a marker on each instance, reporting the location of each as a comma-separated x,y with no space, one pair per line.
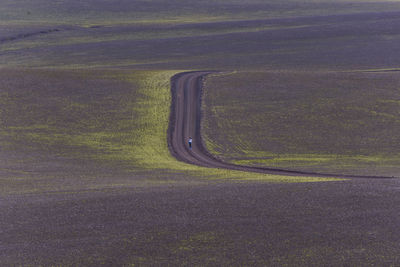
20,36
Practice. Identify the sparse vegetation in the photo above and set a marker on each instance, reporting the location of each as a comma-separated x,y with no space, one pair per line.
246,35
114,121
321,122
86,178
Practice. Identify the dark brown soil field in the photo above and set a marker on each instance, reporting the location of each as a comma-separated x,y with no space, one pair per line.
188,137
352,223
327,122
182,35
86,177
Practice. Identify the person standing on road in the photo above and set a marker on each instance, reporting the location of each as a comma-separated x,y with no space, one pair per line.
190,142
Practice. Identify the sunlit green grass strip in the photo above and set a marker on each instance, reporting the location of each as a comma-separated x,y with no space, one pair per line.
151,150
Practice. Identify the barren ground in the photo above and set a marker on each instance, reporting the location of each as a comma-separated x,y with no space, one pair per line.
86,177
332,122
314,224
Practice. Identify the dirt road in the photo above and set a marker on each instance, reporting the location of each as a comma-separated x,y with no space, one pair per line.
185,123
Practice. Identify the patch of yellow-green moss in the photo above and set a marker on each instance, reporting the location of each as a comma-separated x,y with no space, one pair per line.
116,127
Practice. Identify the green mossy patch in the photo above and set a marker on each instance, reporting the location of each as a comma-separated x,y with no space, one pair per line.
65,130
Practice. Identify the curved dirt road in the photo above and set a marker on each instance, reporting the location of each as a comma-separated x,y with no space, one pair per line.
185,122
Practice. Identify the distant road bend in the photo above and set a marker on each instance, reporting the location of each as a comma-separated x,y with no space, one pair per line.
186,89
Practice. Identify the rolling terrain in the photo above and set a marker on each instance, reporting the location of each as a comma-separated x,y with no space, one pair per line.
86,175
326,122
185,125
188,35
